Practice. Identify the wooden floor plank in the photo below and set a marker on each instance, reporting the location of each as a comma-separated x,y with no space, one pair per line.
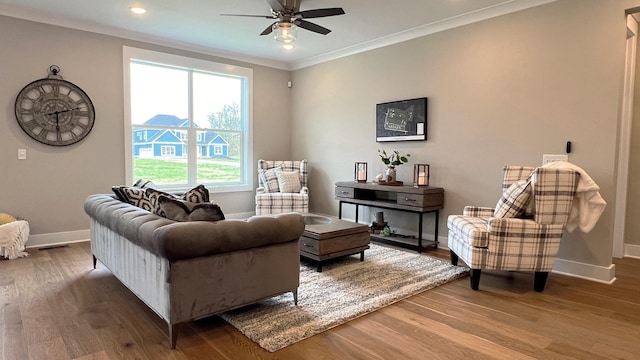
54,305
53,349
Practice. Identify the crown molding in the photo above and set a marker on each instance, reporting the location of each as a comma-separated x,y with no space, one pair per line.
19,13
503,8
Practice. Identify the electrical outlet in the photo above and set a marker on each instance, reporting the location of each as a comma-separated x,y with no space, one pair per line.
22,154
547,158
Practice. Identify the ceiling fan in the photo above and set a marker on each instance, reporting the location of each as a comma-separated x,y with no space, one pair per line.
287,13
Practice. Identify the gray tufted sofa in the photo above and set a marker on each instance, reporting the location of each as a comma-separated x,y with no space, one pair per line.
188,270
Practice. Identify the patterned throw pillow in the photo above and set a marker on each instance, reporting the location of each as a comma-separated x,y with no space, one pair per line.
153,195
140,184
144,184
269,179
145,195
199,194
132,195
179,210
119,191
514,200
288,181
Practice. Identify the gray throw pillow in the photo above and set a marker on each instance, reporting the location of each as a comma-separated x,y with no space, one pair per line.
180,210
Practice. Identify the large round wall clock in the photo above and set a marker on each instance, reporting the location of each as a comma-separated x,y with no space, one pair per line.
54,111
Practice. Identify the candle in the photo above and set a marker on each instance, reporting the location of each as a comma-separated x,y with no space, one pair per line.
360,172
422,179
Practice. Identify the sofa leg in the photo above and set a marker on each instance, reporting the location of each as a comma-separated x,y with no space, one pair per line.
95,262
173,334
295,297
475,278
540,280
454,258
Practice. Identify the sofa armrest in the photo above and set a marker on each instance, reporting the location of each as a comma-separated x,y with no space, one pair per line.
477,211
261,190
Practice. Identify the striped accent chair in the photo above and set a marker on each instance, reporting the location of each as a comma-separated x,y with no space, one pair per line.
523,232
282,187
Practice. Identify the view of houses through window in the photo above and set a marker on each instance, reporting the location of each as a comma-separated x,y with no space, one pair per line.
188,126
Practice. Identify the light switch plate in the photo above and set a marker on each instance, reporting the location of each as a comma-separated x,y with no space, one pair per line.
547,158
22,154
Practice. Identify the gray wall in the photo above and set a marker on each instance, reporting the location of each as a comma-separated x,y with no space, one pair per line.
49,188
502,91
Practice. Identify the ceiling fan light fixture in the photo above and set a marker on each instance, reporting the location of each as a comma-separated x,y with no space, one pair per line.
138,10
285,32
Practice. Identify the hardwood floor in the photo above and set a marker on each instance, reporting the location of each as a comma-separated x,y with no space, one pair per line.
55,306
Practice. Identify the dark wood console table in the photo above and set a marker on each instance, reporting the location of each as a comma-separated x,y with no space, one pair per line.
407,198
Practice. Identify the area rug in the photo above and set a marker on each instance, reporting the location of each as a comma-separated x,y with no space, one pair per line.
344,290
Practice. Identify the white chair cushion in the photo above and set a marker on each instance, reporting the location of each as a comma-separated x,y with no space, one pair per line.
288,181
514,200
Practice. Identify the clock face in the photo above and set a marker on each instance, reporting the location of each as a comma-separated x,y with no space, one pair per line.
55,112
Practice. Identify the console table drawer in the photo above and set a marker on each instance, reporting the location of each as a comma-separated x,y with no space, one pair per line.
345,192
421,200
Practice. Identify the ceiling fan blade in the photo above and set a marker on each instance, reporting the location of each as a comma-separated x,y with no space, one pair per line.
276,5
256,16
312,27
317,13
268,30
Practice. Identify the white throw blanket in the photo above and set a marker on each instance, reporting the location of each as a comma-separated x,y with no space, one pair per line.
588,205
13,237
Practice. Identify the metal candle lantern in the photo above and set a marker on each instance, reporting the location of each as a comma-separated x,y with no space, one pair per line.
360,172
420,175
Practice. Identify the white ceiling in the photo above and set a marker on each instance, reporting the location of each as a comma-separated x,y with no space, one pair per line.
197,24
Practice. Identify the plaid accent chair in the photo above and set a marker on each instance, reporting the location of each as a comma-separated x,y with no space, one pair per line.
524,237
282,187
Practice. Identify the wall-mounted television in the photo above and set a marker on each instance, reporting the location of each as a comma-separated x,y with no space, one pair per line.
402,120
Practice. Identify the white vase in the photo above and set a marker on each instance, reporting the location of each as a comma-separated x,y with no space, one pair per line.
390,174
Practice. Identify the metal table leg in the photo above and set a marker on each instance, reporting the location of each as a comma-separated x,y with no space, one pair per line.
420,232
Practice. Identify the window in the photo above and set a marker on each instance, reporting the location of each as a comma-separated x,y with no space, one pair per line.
167,151
178,112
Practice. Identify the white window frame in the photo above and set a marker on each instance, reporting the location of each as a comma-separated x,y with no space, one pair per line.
217,149
246,170
168,150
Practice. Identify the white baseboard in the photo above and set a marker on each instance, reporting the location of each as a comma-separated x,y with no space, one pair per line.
53,239
632,251
601,274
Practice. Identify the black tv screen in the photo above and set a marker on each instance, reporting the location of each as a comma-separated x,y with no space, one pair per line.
402,120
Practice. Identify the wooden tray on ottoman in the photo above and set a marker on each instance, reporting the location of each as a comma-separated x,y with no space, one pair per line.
324,241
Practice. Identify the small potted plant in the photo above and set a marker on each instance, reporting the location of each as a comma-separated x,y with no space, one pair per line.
391,161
